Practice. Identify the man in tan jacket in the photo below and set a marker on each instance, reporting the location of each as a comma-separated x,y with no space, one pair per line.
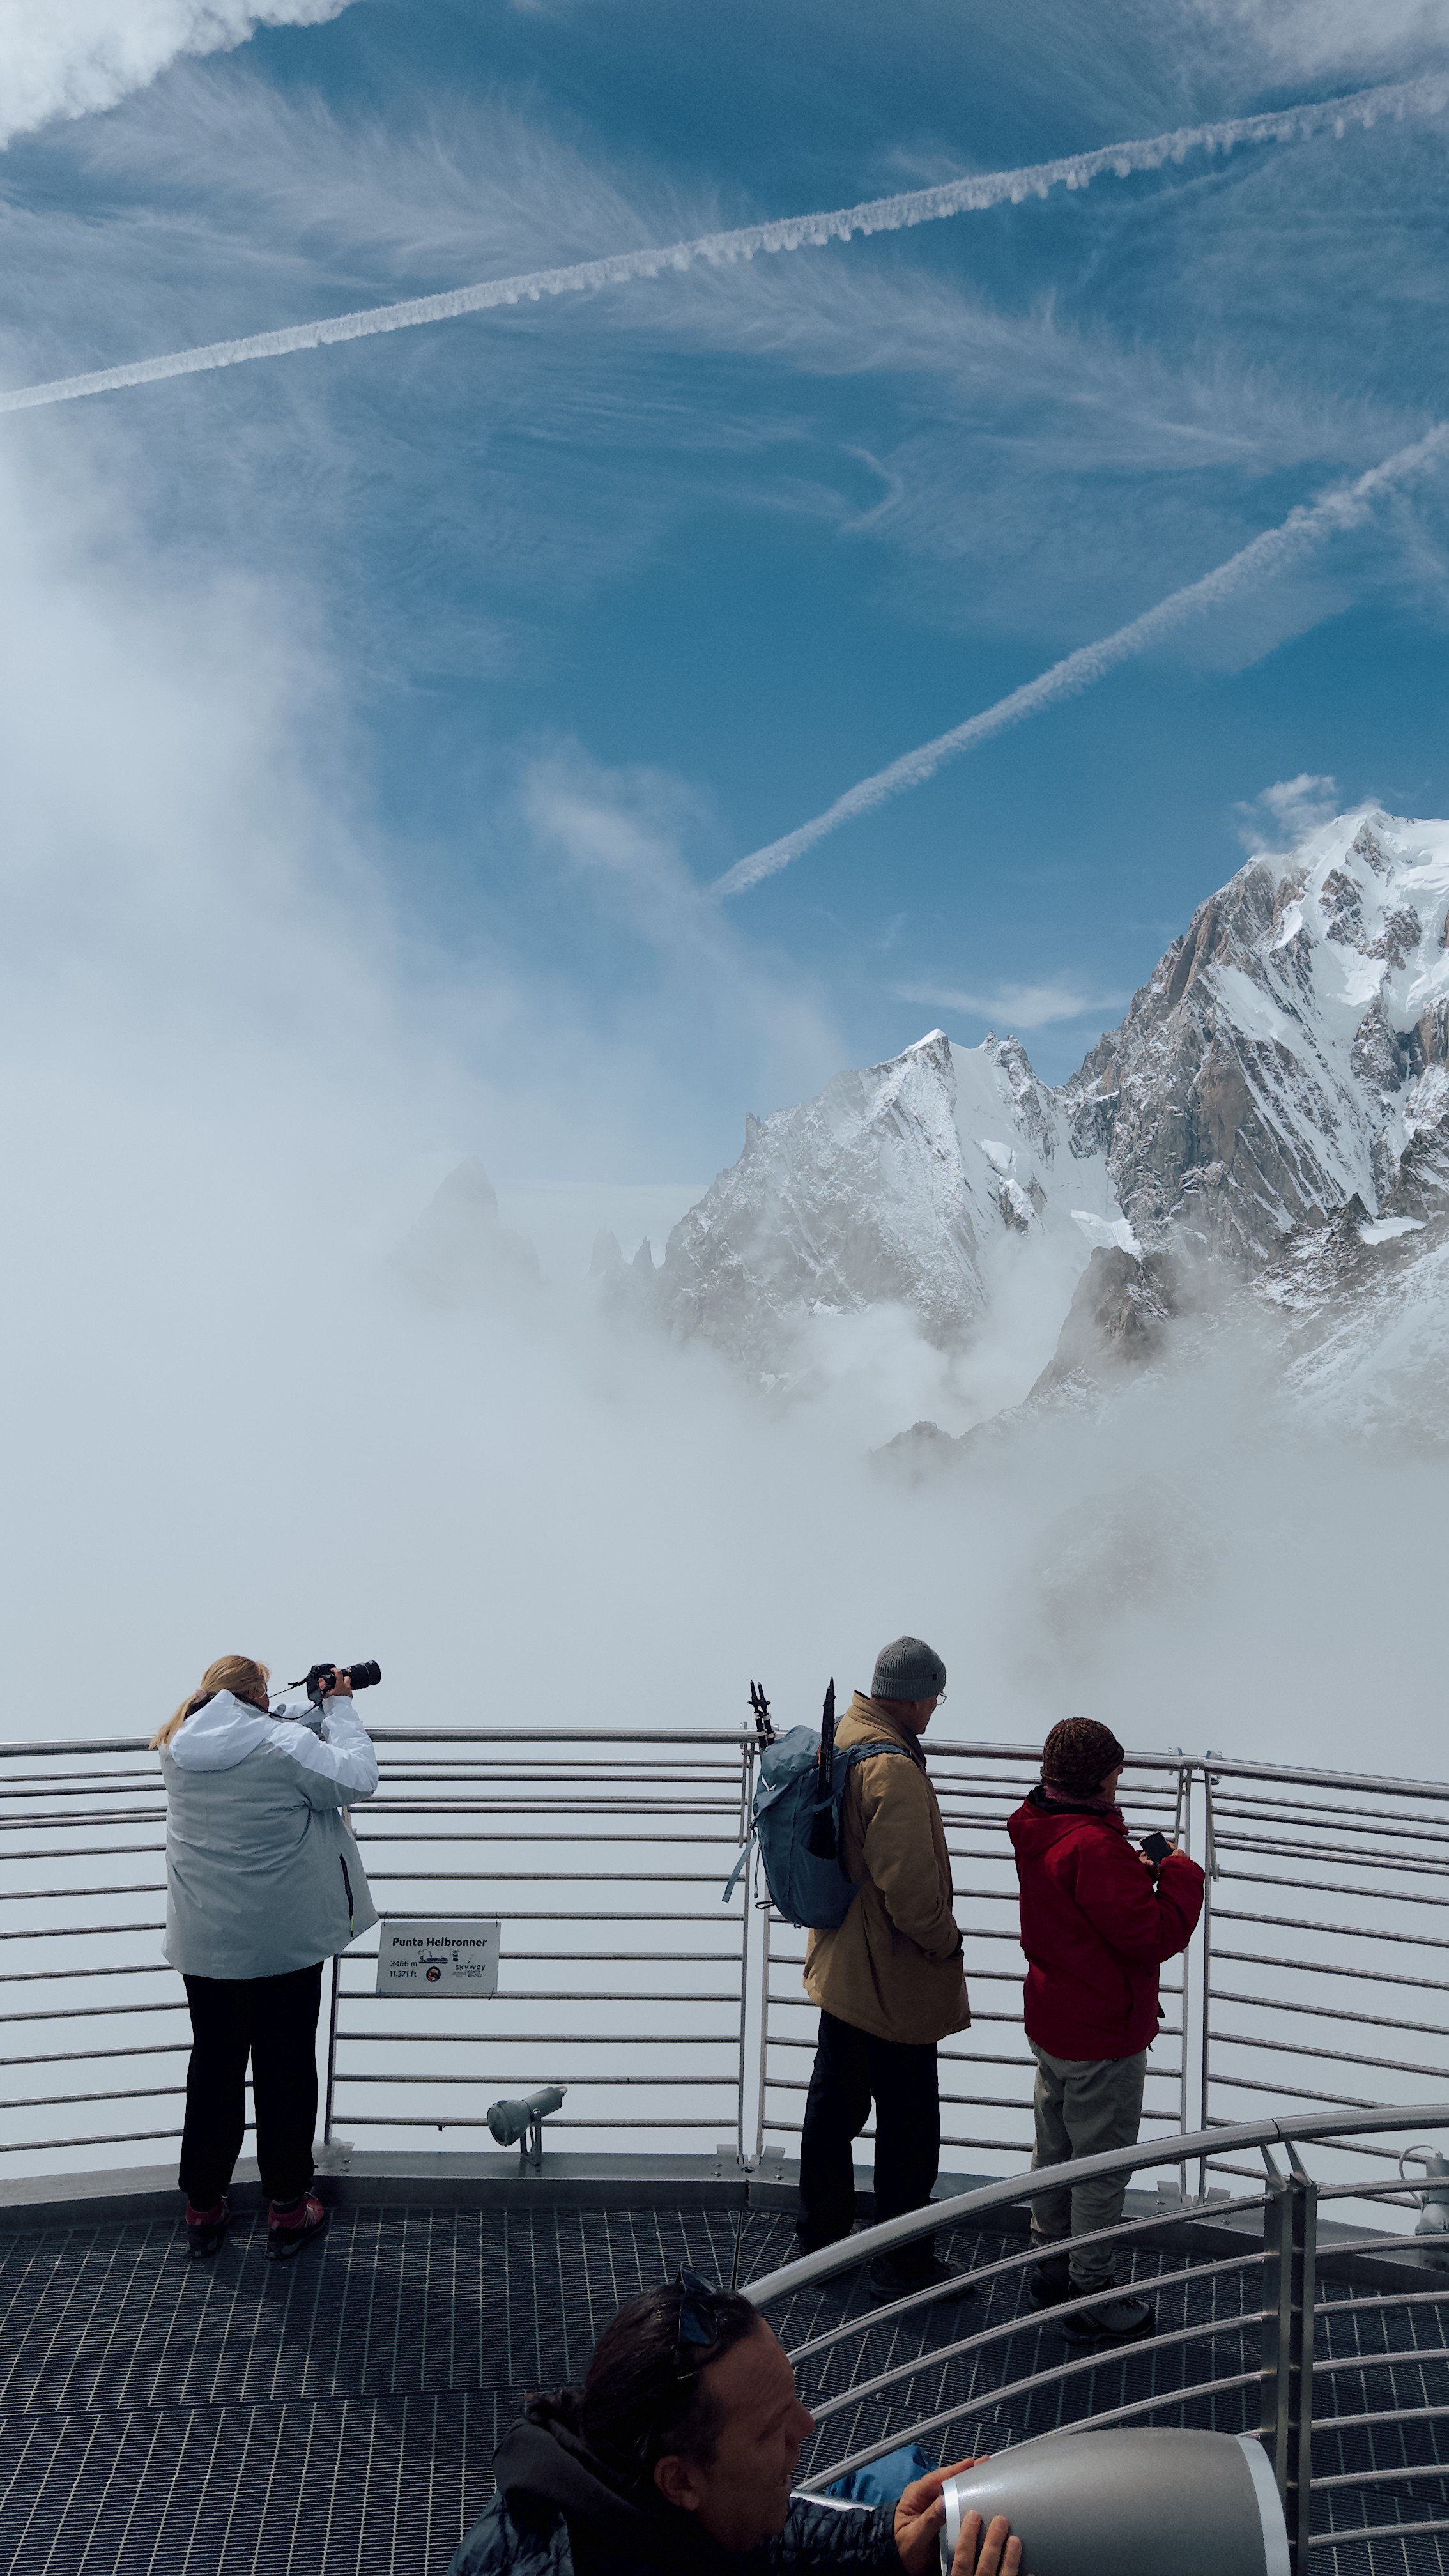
888,1980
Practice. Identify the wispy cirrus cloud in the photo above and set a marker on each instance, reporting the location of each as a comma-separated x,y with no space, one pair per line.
68,58
1017,1006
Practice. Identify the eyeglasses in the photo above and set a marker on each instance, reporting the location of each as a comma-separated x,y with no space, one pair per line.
698,2322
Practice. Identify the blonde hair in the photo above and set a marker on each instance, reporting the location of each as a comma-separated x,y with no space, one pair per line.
229,1673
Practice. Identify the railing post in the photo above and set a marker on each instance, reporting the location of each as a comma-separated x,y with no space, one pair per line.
1290,2240
754,1987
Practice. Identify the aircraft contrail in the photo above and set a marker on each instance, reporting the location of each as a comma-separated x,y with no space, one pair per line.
1304,528
1424,97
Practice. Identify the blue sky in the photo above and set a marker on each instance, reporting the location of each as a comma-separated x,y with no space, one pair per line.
600,594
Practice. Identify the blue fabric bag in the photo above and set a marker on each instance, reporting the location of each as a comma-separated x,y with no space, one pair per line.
882,2481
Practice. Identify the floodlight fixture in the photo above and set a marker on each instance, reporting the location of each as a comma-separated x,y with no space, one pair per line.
520,2124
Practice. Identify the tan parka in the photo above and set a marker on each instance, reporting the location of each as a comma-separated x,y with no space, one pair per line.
893,1967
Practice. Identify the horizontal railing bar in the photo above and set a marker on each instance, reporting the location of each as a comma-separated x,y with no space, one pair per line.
1353,1931
121,2138
1324,2012
941,2354
548,1995
1323,1968
83,1851
549,1877
727,1838
980,2272
94,2012
1372,2531
1331,2056
1185,2148
1294,2092
545,2038
1401,1866
1267,1810
1385,2415
1385,2298
1330,1887
70,2101
600,1959
83,1931
1043,2379
1383,2360
602,2121
67,1895
983,2413
1378,2478
122,1968
93,2056
661,1915
694,2083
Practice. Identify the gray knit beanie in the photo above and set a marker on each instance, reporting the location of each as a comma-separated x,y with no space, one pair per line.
908,1669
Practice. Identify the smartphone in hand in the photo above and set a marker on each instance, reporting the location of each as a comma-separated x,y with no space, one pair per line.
1157,1847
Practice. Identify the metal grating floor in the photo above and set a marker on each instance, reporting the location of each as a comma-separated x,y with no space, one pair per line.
337,2416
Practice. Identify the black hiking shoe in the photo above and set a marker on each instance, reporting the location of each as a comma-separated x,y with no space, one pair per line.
291,2224
1111,2318
205,2229
890,2280
1051,2283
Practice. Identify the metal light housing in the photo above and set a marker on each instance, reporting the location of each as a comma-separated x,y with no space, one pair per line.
1130,2504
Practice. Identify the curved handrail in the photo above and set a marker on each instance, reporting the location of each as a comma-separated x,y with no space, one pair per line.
1184,2149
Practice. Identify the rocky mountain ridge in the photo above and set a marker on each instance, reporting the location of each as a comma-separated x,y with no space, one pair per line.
1287,1062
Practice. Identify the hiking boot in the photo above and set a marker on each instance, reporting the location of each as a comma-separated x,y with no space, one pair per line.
1108,2320
205,2229
890,2280
1050,2283
291,2224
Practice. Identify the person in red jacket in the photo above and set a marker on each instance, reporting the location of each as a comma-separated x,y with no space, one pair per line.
1097,1920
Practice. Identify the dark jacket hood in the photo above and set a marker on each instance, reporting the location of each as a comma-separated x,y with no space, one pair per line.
544,2465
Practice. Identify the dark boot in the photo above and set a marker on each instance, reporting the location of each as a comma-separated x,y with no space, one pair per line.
892,2278
1112,2317
205,2229
1050,2283
291,2224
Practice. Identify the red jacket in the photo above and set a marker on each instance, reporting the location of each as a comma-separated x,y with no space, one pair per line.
1094,1928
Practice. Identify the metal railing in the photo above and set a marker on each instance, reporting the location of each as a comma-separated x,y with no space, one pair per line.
1316,1981
1327,2341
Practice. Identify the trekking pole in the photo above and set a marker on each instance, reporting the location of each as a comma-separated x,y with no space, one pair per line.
822,1829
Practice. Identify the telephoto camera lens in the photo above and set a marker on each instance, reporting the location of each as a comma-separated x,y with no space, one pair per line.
363,1676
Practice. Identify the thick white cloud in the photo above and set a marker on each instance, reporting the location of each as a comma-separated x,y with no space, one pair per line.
73,57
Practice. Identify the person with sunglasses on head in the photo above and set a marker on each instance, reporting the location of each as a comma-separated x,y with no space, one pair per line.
888,1979
679,2453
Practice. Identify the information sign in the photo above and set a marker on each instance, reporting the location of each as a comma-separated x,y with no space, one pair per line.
437,1959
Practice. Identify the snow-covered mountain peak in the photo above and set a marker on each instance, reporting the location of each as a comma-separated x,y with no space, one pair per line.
1288,1056
1288,1045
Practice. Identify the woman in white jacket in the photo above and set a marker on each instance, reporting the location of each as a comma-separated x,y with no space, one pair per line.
263,1882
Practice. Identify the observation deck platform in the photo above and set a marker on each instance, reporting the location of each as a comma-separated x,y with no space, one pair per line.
338,2414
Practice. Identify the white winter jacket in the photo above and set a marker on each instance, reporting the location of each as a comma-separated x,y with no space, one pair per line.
262,1875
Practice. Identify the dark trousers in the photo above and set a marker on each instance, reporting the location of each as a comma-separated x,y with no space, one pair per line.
272,2020
852,2070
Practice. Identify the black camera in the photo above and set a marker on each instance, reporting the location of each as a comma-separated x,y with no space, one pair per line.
323,1679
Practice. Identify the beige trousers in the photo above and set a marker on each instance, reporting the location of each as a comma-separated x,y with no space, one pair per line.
1083,2105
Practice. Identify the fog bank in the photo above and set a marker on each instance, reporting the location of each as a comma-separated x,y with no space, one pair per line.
235,1072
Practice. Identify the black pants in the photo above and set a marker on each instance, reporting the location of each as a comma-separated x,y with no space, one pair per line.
852,2070
272,2020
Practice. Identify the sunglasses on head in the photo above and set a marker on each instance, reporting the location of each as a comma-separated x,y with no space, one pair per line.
698,2327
